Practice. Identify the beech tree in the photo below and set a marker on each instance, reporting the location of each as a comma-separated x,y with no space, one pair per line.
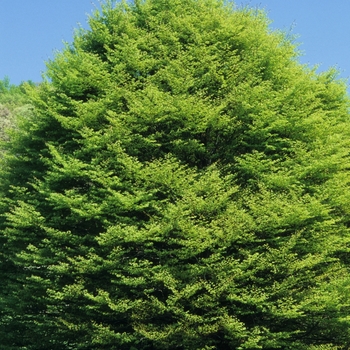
183,183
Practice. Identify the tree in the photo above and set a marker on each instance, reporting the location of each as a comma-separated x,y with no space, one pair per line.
181,184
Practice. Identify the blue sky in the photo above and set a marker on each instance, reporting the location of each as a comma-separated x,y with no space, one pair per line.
31,31
322,28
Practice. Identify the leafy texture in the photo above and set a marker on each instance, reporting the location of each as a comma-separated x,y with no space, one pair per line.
182,184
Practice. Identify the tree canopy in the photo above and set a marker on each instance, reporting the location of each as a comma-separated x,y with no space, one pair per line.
182,183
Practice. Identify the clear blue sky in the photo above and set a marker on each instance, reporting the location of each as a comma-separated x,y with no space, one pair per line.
322,27
31,31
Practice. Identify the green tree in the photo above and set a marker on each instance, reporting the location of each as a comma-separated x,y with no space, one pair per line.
183,183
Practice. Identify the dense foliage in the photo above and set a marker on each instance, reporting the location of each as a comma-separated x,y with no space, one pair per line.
183,183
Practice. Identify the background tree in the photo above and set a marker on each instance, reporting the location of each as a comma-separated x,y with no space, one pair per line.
13,103
182,184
